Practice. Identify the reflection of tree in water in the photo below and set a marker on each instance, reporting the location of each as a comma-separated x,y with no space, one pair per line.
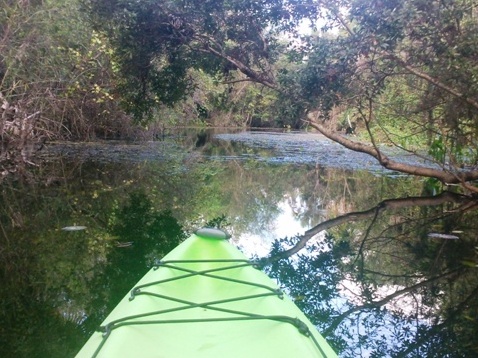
385,286
140,227
143,234
57,286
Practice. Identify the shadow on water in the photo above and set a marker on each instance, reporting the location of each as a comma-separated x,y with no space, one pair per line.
397,278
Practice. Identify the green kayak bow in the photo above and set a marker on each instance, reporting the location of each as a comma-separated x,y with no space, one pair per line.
205,299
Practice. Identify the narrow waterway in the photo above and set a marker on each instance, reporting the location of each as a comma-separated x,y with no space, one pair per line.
378,264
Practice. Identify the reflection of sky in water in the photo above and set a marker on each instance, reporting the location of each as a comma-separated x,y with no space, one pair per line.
286,224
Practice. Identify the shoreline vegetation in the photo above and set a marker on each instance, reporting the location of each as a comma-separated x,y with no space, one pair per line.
80,70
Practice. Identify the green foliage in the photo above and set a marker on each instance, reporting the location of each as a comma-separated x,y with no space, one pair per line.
431,37
137,221
156,42
382,20
437,150
221,222
412,59
405,69
53,64
327,73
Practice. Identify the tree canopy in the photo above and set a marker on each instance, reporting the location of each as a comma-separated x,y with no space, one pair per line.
157,42
408,63
400,72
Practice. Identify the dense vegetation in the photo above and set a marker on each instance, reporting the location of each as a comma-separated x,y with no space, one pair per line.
401,72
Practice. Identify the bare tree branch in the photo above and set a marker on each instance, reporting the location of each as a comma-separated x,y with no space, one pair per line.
375,304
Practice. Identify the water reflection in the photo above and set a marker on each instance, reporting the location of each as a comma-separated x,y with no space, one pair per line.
292,219
364,267
380,286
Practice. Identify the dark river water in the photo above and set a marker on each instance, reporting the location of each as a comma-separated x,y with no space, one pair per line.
383,264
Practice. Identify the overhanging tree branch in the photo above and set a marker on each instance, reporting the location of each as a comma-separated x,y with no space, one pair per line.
446,177
210,46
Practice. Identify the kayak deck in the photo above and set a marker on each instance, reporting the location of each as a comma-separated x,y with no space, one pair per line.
206,299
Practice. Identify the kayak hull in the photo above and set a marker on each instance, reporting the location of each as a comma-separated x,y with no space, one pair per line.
206,299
